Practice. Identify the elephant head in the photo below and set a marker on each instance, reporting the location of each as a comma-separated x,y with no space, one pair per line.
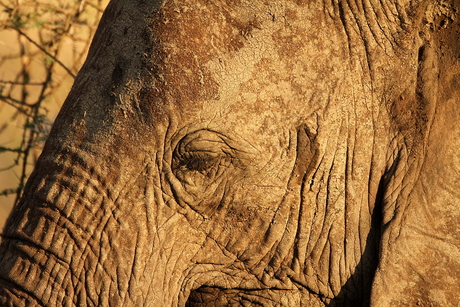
242,153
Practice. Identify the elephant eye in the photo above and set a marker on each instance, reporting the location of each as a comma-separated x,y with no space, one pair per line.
199,161
201,156
203,163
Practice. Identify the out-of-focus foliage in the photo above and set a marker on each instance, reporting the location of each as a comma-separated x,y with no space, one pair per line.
43,44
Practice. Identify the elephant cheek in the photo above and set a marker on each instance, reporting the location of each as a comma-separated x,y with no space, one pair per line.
81,238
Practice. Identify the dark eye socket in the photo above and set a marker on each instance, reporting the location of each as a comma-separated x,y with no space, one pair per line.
205,153
198,161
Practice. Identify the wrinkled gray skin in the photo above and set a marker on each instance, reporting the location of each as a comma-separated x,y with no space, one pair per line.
250,153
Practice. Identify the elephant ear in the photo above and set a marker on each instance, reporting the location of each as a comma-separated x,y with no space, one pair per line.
420,246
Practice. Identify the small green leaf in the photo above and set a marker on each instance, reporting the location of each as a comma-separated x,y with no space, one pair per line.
49,60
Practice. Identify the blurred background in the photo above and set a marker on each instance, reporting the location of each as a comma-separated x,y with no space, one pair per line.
43,44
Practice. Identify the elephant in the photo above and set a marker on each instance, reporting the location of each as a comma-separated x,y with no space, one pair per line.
250,153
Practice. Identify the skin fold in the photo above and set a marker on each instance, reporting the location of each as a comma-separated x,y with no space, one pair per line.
250,153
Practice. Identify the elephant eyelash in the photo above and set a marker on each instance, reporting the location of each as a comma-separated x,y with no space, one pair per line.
199,161
204,153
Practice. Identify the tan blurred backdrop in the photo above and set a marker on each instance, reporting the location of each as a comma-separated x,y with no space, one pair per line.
43,44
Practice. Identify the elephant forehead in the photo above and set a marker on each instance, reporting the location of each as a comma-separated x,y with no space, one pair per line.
247,67
253,63
188,37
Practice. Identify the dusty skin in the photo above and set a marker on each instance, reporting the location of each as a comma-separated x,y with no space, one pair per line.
250,153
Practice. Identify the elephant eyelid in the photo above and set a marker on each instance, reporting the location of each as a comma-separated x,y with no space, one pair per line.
208,153
199,160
